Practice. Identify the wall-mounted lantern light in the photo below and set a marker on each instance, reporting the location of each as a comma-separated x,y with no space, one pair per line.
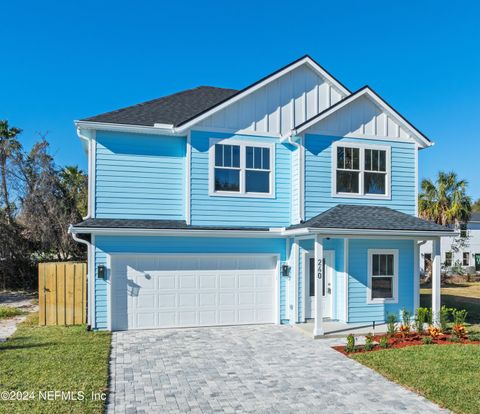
101,272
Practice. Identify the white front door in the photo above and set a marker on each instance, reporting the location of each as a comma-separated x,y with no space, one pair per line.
165,291
310,279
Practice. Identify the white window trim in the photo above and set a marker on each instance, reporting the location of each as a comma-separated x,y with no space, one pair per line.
371,252
362,148
243,144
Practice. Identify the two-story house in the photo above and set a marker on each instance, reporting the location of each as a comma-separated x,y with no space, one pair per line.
291,199
462,252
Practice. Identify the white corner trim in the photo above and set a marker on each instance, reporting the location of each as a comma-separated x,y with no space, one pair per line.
362,147
416,179
417,135
89,136
346,276
243,143
296,262
395,254
188,183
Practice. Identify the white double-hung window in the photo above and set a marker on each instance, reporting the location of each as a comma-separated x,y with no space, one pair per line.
241,168
361,170
382,276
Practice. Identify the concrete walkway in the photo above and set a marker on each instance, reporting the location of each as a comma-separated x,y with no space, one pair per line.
21,300
261,369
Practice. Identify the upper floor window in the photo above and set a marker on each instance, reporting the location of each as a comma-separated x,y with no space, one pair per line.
241,169
361,171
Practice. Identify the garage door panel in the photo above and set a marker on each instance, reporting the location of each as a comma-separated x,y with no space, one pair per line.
166,281
207,299
207,281
188,281
227,281
181,291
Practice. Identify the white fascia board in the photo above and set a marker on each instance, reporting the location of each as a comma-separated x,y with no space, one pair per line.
178,232
138,129
387,234
306,60
416,135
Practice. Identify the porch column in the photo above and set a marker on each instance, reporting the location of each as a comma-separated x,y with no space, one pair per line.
436,258
318,328
294,283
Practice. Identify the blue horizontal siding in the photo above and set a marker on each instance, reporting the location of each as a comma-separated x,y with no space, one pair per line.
318,176
359,310
240,211
140,176
138,244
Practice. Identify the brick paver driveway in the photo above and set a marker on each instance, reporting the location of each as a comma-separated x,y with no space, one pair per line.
261,369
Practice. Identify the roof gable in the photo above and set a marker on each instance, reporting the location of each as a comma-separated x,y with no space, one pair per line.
363,113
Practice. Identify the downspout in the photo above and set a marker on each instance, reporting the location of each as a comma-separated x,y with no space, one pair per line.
89,206
90,278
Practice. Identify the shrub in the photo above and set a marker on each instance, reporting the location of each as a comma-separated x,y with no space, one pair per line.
475,336
406,320
350,347
420,318
391,323
383,343
454,339
427,340
434,331
459,316
368,342
444,318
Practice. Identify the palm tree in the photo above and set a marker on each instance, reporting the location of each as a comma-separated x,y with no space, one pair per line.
9,145
74,182
445,201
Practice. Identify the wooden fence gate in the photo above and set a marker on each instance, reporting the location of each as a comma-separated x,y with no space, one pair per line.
62,293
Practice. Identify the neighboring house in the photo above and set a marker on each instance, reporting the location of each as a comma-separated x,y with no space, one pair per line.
465,254
291,199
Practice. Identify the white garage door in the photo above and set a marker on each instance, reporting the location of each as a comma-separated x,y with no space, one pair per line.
152,291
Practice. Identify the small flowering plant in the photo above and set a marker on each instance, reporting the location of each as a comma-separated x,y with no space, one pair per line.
434,332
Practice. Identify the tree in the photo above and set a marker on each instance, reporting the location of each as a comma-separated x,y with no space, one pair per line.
445,201
9,148
75,185
49,204
476,206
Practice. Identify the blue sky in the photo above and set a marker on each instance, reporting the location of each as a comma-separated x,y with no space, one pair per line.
67,60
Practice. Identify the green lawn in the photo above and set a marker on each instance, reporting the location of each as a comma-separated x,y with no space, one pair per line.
446,374
9,312
39,358
460,296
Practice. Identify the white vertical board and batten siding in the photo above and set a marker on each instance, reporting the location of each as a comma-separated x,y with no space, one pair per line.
360,118
279,106
139,176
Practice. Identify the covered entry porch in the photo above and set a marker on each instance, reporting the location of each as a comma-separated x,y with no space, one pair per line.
347,279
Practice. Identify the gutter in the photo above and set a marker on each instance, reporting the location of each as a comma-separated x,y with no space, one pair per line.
90,277
88,141
363,232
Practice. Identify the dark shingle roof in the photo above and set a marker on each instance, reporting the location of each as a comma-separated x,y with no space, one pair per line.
172,109
368,218
104,223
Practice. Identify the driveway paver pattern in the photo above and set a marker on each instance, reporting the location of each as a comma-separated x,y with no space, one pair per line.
254,369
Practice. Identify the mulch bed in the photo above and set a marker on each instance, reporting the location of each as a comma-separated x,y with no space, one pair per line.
403,340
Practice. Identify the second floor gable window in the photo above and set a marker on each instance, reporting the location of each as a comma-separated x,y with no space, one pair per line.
361,171
241,169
